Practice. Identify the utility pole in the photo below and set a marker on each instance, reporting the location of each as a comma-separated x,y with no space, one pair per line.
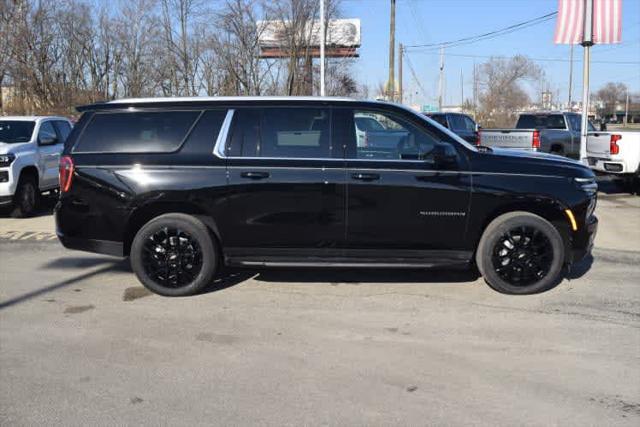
570,75
626,109
322,43
441,81
461,88
392,43
400,60
475,92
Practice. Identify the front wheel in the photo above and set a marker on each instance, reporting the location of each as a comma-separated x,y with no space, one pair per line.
521,253
174,255
25,201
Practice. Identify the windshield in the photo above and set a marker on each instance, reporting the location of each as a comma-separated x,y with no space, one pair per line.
575,121
15,131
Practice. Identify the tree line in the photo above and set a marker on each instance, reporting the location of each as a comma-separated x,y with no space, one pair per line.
56,54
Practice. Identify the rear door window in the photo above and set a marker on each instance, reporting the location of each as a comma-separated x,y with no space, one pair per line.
136,132
295,133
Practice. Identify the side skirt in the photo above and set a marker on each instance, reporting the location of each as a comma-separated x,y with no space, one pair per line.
381,259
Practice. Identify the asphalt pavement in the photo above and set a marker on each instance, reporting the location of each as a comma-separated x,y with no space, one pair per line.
82,343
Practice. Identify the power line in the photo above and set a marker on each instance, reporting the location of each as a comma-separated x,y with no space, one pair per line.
534,59
415,77
488,35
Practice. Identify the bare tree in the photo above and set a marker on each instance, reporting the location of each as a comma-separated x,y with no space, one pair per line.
60,53
611,95
137,30
502,94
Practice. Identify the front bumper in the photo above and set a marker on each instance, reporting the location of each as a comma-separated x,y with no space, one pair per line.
583,240
7,184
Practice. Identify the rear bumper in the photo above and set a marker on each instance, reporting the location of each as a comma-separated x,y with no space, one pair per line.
77,242
608,166
583,240
90,245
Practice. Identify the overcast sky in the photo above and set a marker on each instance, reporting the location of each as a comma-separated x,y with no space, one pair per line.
432,21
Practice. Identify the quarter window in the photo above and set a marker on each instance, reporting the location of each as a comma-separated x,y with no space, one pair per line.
136,132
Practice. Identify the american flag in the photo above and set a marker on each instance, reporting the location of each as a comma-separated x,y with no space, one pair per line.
607,21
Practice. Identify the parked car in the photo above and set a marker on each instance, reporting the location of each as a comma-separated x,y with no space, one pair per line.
616,153
30,150
460,124
186,185
549,132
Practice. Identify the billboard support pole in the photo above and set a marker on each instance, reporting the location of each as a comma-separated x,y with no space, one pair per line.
322,43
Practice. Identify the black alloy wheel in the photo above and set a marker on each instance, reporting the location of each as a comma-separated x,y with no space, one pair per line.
522,256
174,255
521,253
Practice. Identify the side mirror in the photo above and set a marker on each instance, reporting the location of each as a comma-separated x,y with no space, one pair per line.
48,140
445,156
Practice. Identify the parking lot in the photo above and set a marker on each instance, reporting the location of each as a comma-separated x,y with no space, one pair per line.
82,343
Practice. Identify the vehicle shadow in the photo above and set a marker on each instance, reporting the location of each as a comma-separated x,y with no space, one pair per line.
613,186
336,276
108,265
45,207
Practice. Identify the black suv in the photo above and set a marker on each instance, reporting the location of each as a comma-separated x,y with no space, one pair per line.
185,186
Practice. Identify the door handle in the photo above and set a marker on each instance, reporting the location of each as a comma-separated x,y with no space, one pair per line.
365,176
255,175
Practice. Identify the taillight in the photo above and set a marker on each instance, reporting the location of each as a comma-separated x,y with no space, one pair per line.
535,141
614,148
65,173
478,143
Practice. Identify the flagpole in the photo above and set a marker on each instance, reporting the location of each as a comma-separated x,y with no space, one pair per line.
587,42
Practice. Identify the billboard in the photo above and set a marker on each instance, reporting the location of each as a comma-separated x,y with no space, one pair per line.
341,33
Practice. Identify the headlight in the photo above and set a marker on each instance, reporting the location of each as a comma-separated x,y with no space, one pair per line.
588,185
7,159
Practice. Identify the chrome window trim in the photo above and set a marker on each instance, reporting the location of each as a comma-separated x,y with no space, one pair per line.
221,141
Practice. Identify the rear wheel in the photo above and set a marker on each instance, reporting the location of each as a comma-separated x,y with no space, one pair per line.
521,253
174,255
25,201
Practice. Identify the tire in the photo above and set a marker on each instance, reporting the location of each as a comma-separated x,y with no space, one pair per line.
534,260
174,255
557,150
26,198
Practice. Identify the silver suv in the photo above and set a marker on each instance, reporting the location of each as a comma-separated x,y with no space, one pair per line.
30,150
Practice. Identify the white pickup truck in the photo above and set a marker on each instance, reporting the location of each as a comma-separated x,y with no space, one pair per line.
616,153
30,150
